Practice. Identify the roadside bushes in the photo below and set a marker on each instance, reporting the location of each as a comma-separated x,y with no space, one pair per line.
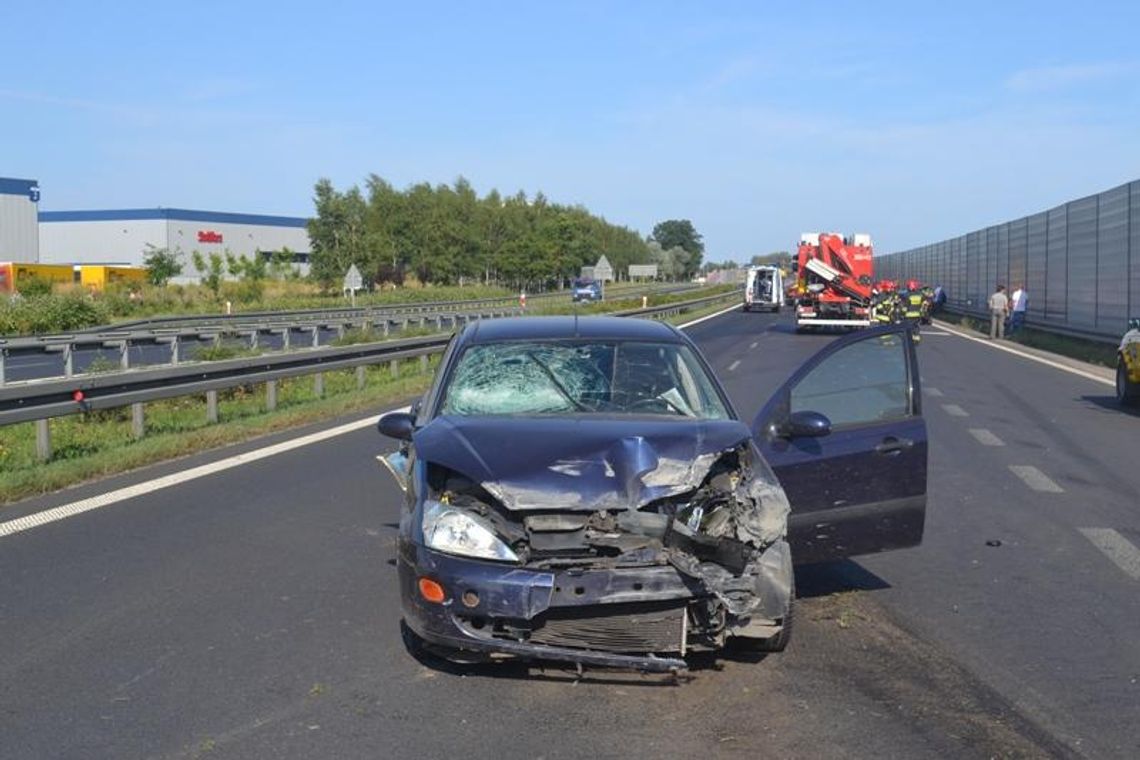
50,313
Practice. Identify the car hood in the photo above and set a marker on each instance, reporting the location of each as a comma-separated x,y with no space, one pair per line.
578,463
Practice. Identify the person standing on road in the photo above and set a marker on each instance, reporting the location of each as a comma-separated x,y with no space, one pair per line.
1018,301
999,309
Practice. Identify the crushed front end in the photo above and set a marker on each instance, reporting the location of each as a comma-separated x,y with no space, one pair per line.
686,554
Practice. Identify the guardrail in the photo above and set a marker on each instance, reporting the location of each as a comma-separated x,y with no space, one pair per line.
168,345
69,354
40,400
369,312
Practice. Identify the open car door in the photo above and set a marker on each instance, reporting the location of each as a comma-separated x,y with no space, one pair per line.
846,438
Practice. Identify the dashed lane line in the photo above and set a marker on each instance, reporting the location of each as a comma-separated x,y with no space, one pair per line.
1035,479
732,367
1117,548
985,437
755,343
955,411
933,392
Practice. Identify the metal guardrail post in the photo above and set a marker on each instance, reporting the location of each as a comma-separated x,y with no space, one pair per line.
3,355
319,384
68,361
124,355
211,407
43,440
316,330
394,368
138,421
270,395
253,339
175,349
360,378
424,363
286,336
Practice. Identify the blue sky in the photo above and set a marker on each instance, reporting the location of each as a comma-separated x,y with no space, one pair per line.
912,121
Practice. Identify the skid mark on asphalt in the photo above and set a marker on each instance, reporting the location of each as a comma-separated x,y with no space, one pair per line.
985,437
1117,548
1035,479
955,411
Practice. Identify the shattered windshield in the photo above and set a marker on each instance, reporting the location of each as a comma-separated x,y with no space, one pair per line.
614,377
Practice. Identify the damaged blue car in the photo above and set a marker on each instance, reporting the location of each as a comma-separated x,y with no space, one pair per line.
582,490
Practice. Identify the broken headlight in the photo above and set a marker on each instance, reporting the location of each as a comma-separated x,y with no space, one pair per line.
452,530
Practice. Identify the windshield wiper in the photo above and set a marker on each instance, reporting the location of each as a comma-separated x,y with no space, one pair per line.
557,383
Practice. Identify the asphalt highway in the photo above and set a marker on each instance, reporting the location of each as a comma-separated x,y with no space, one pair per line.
253,611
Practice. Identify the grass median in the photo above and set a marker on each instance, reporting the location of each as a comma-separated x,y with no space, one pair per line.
98,444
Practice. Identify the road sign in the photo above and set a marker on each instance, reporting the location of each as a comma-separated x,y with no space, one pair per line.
352,279
353,282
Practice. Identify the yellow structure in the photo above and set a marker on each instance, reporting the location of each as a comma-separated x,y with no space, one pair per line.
12,274
93,277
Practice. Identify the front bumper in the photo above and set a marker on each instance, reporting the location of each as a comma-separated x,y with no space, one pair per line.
483,596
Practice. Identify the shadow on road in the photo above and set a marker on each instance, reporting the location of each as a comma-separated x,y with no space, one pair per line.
834,577
1111,404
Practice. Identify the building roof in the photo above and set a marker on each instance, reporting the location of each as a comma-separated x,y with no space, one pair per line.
12,186
176,214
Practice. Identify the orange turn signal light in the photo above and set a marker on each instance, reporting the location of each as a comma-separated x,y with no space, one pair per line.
431,591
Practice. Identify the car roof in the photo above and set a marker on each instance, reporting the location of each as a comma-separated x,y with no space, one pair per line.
568,328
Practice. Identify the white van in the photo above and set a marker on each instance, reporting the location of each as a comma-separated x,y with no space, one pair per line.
764,289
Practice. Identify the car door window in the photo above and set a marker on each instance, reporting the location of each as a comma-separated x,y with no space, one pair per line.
862,383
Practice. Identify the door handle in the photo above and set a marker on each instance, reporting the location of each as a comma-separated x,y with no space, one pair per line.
893,446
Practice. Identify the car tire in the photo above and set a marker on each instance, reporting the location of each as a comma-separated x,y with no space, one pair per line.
1127,392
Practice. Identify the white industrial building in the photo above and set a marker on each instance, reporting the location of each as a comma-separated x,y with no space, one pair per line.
125,236
19,236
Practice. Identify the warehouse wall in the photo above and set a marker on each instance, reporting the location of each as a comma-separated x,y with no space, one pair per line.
1079,263
238,239
124,237
19,237
100,242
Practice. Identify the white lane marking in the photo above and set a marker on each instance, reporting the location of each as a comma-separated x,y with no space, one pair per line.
755,343
933,392
955,411
707,317
1035,479
1031,357
12,527
20,524
930,332
1117,548
985,437
734,365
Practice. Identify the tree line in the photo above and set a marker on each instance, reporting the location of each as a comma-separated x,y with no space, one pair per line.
448,234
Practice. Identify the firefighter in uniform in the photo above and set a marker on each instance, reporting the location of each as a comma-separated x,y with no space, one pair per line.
912,306
927,303
884,303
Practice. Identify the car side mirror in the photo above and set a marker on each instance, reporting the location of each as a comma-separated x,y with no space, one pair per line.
398,425
806,424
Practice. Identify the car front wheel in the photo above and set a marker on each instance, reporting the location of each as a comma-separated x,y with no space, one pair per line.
1127,392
